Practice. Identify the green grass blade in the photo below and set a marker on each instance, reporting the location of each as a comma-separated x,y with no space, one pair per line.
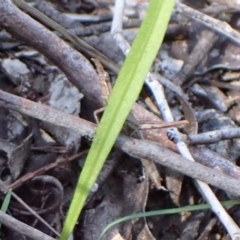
123,96
165,212
5,203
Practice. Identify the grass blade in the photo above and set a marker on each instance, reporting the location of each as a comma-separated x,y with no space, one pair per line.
5,203
123,96
165,212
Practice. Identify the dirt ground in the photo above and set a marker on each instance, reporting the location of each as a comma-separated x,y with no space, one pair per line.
50,89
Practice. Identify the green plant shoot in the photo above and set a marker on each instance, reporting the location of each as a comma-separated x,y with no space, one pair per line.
124,94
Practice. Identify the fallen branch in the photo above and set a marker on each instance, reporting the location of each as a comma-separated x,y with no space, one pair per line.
137,148
82,75
75,66
23,228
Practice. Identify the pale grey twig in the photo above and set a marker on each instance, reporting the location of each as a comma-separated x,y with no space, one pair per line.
200,50
99,28
87,18
206,191
137,148
49,10
218,26
117,16
23,228
116,29
116,32
163,156
204,188
214,136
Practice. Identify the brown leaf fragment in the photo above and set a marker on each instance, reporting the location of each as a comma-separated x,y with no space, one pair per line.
135,197
96,219
174,184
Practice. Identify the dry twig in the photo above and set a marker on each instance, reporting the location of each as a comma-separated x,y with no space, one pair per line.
134,147
23,228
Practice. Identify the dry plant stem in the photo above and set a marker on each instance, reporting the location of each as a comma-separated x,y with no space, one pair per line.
210,197
42,170
78,43
218,26
87,18
201,49
205,190
155,88
35,214
86,128
75,66
117,16
99,28
214,136
50,10
153,125
213,160
116,29
161,155
208,229
137,148
57,190
23,228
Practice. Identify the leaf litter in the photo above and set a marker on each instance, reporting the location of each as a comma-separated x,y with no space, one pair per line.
202,65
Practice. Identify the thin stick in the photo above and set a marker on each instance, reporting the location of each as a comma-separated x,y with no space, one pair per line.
206,191
220,27
157,125
23,228
34,213
138,148
42,170
78,43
